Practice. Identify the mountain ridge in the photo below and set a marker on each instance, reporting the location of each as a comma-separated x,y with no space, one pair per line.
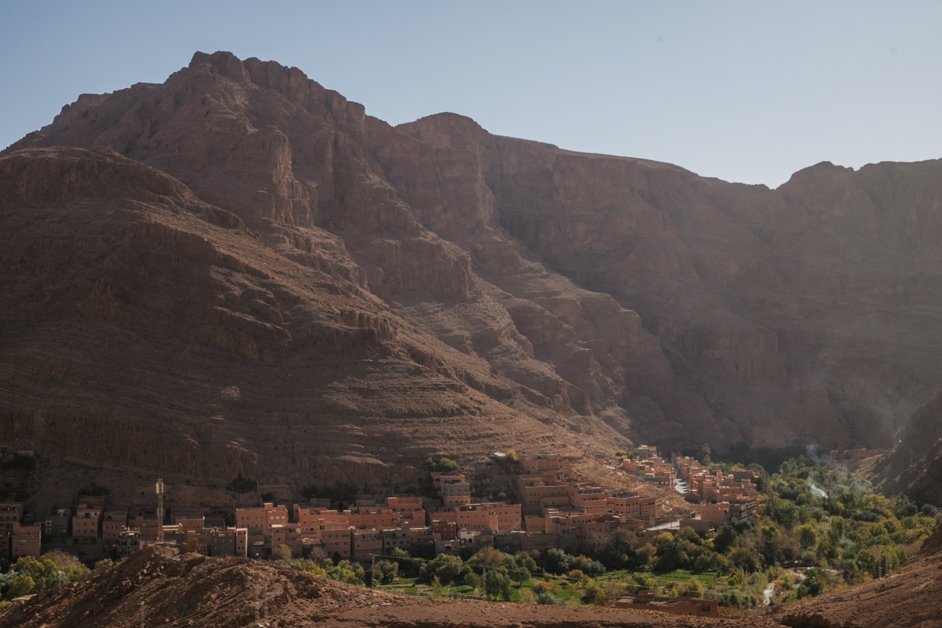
588,297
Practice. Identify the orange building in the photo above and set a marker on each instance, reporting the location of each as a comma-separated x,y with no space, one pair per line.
146,524
493,516
714,513
227,541
409,509
10,513
589,499
26,540
475,517
444,529
541,463
369,518
455,493
366,543
440,477
259,520
85,523
538,524
311,521
129,541
508,516
337,542
191,524
287,534
112,523
56,525
632,506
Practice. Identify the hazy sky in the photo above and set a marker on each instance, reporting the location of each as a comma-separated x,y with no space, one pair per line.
746,91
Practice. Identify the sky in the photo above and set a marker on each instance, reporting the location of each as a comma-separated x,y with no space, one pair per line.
744,91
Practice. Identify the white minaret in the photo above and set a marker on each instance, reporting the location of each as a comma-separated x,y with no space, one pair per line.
160,510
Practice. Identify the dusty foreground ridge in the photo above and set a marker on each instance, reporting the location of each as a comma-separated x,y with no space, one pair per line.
158,587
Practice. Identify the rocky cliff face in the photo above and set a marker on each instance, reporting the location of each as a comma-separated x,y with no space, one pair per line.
145,329
914,465
243,268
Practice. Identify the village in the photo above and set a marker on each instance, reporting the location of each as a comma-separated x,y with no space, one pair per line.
554,511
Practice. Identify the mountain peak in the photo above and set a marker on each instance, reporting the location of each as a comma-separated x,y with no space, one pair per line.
222,61
445,130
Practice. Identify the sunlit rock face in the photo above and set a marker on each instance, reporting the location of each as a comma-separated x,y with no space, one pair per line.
378,293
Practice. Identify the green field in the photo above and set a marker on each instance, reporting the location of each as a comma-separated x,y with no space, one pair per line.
564,589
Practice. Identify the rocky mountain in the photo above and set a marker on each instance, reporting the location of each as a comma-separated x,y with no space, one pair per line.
238,270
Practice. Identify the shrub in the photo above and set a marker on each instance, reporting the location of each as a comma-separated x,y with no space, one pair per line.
281,552
693,588
241,485
595,594
543,592
95,490
442,464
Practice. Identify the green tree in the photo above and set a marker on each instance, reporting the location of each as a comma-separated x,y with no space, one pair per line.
471,579
643,557
746,559
590,567
673,552
445,567
489,558
556,561
525,561
345,571
385,571
68,564
705,453
807,536
816,582
497,585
